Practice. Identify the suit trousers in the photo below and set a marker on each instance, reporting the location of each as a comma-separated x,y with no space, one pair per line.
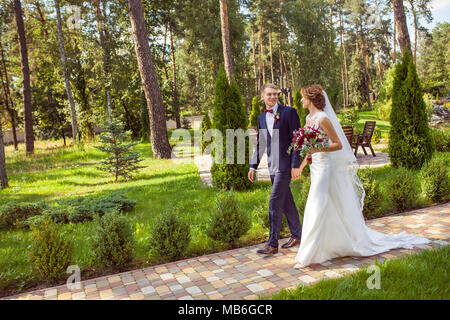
282,201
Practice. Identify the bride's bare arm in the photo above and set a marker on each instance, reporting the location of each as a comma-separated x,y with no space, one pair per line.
326,125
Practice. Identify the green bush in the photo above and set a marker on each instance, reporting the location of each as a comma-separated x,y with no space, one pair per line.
376,137
14,215
441,139
436,181
383,109
402,190
410,142
113,240
374,197
349,116
80,209
170,236
228,222
261,211
51,250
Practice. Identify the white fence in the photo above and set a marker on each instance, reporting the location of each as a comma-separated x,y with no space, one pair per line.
8,136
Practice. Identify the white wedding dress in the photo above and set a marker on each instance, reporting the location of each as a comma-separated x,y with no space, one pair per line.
333,223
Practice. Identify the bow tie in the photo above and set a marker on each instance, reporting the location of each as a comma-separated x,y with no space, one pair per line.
268,110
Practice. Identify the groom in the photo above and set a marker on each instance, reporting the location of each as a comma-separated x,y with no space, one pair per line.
275,133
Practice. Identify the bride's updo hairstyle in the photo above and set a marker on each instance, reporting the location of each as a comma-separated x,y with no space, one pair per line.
314,93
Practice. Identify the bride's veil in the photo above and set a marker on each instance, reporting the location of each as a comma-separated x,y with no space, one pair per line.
344,161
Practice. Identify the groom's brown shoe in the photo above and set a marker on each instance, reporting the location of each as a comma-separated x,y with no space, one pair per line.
291,243
268,250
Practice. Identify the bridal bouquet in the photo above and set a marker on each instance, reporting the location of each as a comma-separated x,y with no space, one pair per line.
306,139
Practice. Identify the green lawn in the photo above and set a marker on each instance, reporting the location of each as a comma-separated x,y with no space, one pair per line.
424,275
364,116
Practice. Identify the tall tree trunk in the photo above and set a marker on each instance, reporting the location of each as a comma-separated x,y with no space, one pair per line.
402,27
380,70
344,66
106,55
254,61
163,54
226,40
73,112
394,38
8,98
292,71
366,76
271,54
3,175
158,129
176,103
414,12
42,19
261,51
28,119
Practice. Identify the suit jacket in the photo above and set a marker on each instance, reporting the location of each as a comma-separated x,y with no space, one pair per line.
277,144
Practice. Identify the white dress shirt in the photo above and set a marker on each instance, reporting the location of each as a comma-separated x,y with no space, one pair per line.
270,118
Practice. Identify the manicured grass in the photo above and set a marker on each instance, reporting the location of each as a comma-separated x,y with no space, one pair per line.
364,116
424,275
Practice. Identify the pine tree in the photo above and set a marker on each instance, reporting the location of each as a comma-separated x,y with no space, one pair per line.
255,112
302,113
229,113
356,80
122,161
410,143
206,125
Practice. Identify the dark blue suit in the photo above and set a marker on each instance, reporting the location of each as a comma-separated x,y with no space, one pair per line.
280,165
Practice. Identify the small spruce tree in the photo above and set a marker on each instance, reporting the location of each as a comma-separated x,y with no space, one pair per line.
410,142
229,113
356,80
122,162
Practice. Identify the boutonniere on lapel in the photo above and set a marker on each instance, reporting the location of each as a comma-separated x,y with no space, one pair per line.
276,117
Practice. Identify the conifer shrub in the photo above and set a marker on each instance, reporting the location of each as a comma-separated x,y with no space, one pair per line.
51,250
255,112
435,180
410,143
297,104
206,125
170,236
228,221
402,190
229,114
14,215
113,240
373,196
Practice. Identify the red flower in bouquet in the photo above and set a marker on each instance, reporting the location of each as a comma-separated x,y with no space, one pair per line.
306,139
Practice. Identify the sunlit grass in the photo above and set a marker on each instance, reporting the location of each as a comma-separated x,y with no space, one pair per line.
424,275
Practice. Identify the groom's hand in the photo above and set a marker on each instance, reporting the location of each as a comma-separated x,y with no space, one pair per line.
251,175
296,173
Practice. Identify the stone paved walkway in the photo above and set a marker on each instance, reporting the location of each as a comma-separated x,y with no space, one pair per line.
242,273
204,162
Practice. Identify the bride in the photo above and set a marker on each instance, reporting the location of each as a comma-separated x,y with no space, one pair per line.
333,224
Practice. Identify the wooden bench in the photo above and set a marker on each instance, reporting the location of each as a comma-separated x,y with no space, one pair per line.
348,130
364,139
